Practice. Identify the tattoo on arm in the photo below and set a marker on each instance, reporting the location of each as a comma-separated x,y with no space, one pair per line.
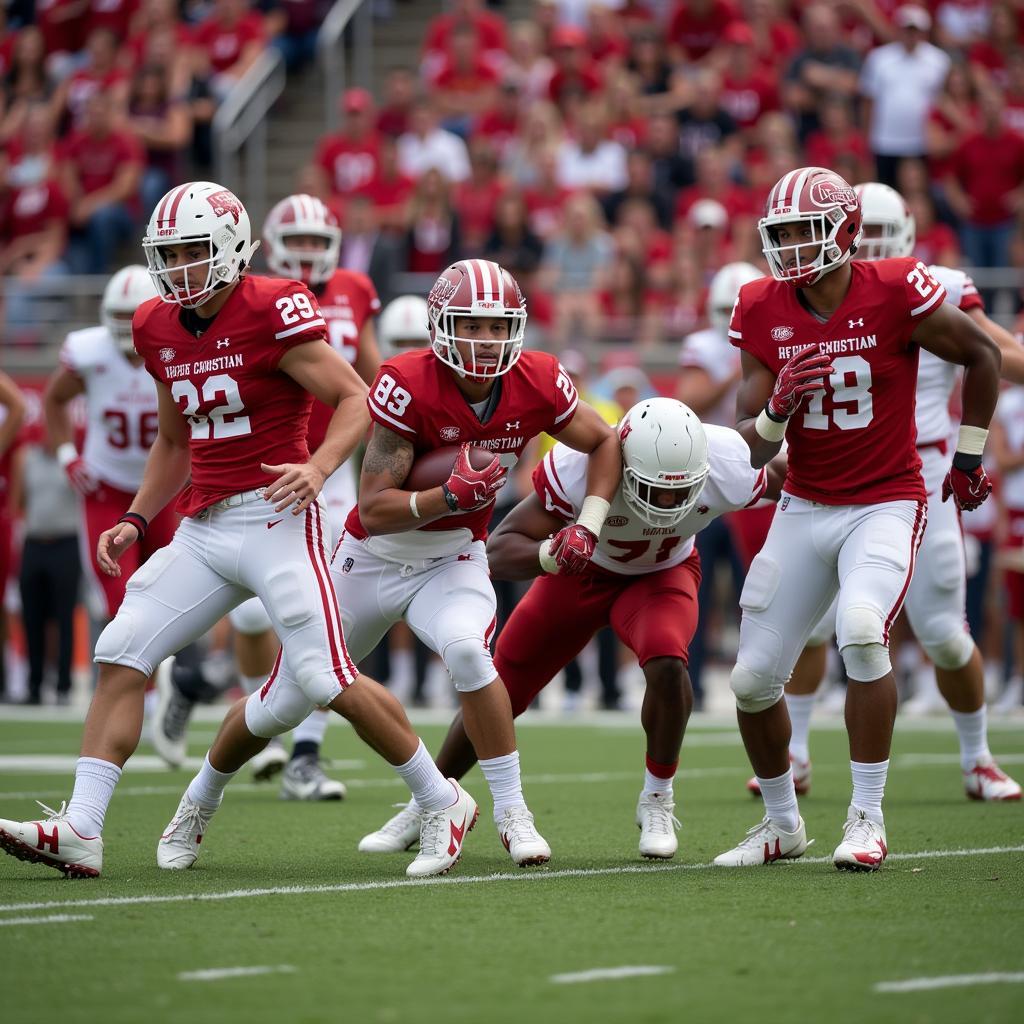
388,453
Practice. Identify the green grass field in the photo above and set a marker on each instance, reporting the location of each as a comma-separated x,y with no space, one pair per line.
281,886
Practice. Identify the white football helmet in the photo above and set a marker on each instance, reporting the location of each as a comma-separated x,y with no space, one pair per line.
884,208
404,323
664,447
302,215
128,289
722,292
209,214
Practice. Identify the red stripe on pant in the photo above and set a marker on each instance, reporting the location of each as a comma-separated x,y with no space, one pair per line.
353,672
312,544
920,521
273,674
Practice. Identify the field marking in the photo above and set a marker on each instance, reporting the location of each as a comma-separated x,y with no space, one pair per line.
930,760
58,764
609,974
949,981
417,883
52,919
219,973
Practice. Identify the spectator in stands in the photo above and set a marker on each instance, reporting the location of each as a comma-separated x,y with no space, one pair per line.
163,124
542,133
606,38
101,172
672,170
749,87
572,263
476,198
427,146
708,231
433,237
489,29
465,85
364,248
347,161
986,186
640,184
703,121
389,189
160,37
400,87
936,242
576,74
649,63
825,65
952,118
592,160
546,198
115,16
501,122
50,566
675,297
776,38
527,64
713,182
27,82
1014,95
512,243
61,23
990,54
101,71
839,141
696,27
293,27
637,233
899,83
231,38
621,298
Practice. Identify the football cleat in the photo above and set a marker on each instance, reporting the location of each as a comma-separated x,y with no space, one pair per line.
985,780
305,779
179,845
765,843
863,847
657,826
801,779
54,842
397,834
169,733
441,835
526,846
269,761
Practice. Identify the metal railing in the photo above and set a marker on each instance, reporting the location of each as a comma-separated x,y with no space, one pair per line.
332,56
240,129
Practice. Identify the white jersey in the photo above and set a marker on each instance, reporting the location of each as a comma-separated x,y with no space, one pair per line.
710,351
935,377
1010,413
121,407
629,545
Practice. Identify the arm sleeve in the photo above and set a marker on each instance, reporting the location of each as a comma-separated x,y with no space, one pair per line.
391,402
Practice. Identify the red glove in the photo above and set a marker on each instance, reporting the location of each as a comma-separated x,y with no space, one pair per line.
968,488
572,548
81,477
805,372
468,488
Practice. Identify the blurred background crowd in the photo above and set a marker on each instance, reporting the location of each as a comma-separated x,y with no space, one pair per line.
613,154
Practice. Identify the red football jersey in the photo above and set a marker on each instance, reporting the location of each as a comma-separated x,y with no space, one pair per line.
854,444
347,301
416,396
241,408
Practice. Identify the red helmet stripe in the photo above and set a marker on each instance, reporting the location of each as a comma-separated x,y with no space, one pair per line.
495,280
476,279
172,214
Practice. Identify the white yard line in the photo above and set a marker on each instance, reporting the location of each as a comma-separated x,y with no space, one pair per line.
418,883
59,764
220,973
949,981
931,760
609,974
52,919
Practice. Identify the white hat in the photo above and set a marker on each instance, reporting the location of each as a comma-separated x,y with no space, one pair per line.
708,213
913,16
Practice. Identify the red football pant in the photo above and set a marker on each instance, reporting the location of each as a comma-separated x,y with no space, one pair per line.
5,552
654,615
100,512
1014,581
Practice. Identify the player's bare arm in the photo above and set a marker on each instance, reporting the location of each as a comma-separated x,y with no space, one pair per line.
1011,351
12,401
587,432
324,374
696,389
384,506
512,550
755,389
167,471
61,388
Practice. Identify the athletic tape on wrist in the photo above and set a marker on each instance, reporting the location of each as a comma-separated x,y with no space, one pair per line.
769,429
971,440
547,562
593,514
66,454
412,505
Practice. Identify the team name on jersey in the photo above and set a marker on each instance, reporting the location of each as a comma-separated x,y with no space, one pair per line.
659,531
502,444
835,347
205,366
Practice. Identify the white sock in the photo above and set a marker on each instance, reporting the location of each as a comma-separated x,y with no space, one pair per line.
207,788
251,683
800,707
94,786
430,789
780,801
502,775
653,784
312,729
869,788
972,728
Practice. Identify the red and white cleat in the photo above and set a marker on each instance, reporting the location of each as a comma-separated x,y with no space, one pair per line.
801,779
441,835
985,780
178,848
525,845
53,842
863,847
763,844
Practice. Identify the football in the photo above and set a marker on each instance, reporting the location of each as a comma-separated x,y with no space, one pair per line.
433,468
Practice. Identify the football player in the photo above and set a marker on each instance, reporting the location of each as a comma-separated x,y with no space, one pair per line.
419,555
830,355
936,598
237,361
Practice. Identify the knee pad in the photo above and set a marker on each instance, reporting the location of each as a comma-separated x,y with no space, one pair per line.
116,640
754,692
469,663
946,559
278,713
320,685
250,618
290,594
952,653
866,662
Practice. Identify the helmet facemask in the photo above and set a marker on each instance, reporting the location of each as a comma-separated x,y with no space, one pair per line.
287,260
509,351
224,248
828,254
119,324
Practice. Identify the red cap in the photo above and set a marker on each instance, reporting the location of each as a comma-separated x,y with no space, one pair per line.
739,33
355,100
568,37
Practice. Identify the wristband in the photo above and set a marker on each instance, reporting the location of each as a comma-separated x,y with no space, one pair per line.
547,562
593,513
139,522
412,505
971,440
769,428
450,500
66,454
